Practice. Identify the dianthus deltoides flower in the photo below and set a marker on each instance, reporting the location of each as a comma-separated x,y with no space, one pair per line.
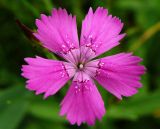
119,74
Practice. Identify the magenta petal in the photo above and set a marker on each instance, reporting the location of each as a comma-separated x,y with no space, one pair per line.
83,103
120,74
45,75
57,32
100,31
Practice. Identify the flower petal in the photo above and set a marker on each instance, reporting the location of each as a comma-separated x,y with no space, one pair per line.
46,75
58,32
83,103
120,74
100,31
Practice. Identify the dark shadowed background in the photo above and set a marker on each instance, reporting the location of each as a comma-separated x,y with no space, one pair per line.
21,109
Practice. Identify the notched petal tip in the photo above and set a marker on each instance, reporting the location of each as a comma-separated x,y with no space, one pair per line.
119,97
90,10
27,59
38,22
45,96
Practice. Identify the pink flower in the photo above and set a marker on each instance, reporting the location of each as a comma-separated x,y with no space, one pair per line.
119,74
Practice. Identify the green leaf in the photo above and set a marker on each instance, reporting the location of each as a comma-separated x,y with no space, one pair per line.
136,107
13,106
46,110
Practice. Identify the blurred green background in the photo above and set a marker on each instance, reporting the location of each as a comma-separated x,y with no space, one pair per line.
21,109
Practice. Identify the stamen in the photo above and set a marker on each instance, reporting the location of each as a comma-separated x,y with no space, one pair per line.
81,66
